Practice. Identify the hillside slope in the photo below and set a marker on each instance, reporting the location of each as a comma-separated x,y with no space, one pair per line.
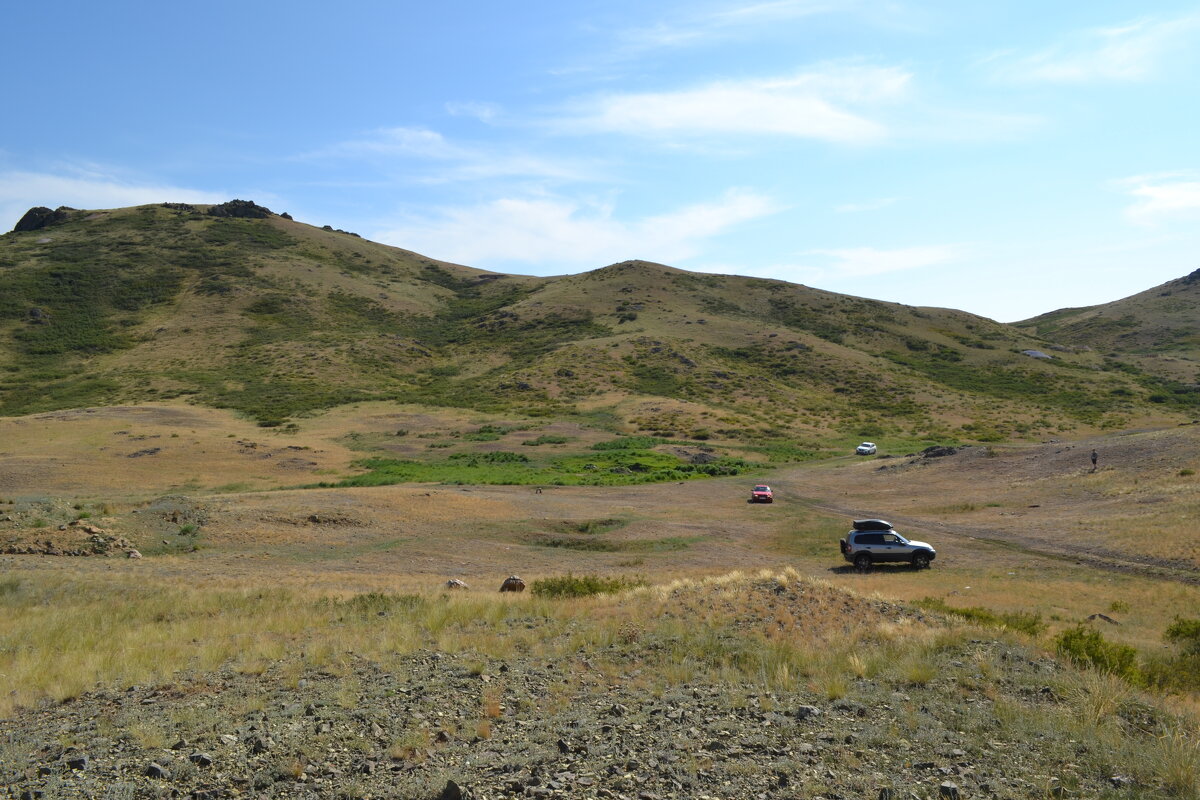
233,306
1158,329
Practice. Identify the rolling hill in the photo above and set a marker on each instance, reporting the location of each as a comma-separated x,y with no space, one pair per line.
232,306
1157,330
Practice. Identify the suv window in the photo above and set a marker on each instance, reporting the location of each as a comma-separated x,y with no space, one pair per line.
891,538
869,538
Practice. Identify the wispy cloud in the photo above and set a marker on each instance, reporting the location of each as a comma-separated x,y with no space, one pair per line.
445,161
742,20
86,187
546,232
829,103
484,112
866,261
731,20
1130,52
866,205
1162,196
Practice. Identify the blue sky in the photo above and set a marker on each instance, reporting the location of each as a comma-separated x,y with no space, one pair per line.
1004,158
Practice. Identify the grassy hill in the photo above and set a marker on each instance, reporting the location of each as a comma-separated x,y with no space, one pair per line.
276,319
1157,330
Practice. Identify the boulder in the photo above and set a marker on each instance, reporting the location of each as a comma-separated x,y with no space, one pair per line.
241,209
512,584
455,583
40,217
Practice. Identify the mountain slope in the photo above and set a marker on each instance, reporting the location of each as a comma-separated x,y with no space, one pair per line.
235,307
1158,329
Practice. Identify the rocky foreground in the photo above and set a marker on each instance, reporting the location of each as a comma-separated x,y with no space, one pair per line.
974,717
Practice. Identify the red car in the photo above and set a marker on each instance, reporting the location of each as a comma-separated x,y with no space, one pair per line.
761,494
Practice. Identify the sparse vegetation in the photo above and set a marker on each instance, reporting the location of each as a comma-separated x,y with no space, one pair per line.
1025,622
582,585
1084,645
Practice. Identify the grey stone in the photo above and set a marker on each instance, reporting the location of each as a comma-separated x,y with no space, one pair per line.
804,712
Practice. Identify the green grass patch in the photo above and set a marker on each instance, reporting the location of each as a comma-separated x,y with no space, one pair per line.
1026,622
595,526
587,544
582,586
546,438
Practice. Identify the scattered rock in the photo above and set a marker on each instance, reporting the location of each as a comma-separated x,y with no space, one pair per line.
156,770
455,583
512,584
948,790
804,712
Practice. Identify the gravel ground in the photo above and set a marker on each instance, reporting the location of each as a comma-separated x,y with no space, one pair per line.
604,723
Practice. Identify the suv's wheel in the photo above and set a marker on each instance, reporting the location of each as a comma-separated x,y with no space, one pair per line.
920,560
862,561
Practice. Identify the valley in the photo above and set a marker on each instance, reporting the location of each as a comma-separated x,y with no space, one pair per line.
240,458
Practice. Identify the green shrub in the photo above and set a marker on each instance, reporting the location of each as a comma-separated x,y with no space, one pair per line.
546,439
1186,633
1085,646
1024,621
582,585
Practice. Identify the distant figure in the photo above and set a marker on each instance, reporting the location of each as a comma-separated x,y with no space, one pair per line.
538,490
1095,456
512,584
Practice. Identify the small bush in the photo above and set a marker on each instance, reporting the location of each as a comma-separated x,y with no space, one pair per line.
1024,621
546,439
1186,633
1085,646
581,585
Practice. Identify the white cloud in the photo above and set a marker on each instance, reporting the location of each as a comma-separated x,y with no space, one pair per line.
865,261
815,105
85,188
744,20
565,235
1163,196
450,162
1130,52
398,141
866,205
484,112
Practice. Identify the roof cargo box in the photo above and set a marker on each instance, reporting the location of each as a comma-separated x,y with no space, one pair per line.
872,525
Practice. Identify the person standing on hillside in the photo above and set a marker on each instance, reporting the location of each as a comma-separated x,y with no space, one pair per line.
1095,456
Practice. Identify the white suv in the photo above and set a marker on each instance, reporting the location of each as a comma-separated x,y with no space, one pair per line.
865,449
873,541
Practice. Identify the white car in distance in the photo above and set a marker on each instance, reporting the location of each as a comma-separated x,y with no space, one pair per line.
865,449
